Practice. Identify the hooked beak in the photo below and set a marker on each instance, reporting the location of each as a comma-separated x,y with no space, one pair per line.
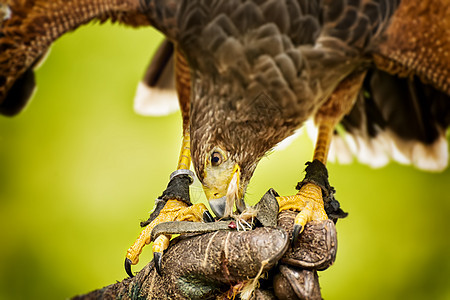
218,206
223,206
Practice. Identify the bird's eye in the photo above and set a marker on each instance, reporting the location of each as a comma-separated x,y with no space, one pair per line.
216,159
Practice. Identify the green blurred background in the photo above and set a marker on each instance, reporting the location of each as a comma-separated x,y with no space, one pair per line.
79,170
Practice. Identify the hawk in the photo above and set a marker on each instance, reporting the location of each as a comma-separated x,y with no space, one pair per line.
372,74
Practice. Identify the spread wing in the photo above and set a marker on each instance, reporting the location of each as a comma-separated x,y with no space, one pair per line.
403,111
28,28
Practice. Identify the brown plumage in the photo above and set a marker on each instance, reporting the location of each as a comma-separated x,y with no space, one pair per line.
257,70
404,103
33,26
418,43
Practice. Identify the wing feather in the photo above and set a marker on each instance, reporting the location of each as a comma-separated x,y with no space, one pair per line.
395,118
403,111
156,93
29,27
418,43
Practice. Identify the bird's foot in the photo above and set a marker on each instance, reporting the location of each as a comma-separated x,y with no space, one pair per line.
308,201
314,200
173,210
173,205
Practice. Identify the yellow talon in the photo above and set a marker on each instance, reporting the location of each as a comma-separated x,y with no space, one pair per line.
174,210
144,239
308,201
161,243
193,213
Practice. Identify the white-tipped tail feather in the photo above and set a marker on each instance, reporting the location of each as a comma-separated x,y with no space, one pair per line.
156,95
432,157
155,101
378,151
340,150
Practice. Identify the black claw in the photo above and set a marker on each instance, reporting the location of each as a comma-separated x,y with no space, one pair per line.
157,257
128,267
295,234
207,217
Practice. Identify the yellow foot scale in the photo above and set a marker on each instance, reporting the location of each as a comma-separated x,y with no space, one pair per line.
173,210
309,201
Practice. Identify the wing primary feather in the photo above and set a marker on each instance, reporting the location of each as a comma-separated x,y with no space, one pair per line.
156,93
159,63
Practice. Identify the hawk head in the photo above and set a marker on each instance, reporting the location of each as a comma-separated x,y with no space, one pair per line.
231,130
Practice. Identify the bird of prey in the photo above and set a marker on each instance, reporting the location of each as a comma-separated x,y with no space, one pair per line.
372,74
